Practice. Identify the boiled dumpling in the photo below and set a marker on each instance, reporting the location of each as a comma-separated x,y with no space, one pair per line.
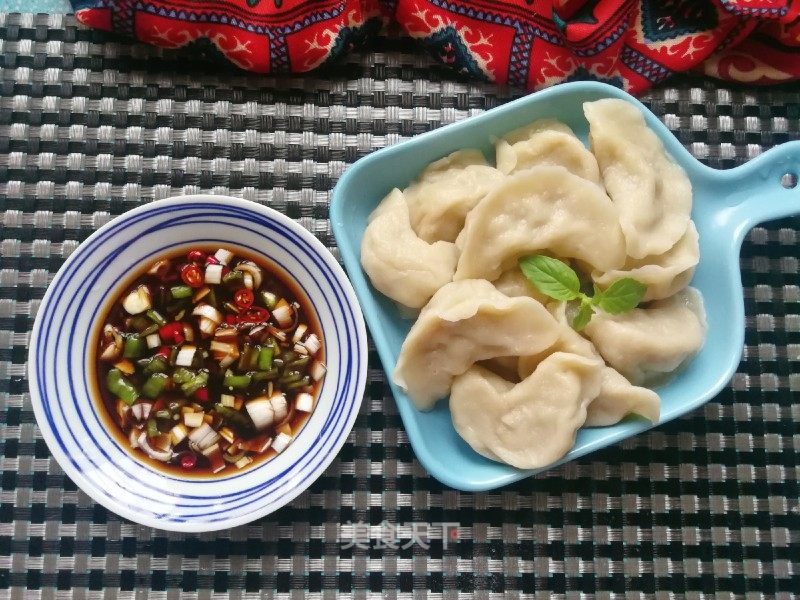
504,366
545,142
646,344
664,275
533,423
653,194
514,283
398,263
467,321
446,191
568,340
540,209
616,398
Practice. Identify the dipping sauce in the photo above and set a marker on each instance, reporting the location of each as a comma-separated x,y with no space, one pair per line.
208,363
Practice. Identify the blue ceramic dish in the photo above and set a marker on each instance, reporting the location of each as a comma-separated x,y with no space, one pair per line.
727,204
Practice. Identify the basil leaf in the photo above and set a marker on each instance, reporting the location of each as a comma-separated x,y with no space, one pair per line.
551,276
621,296
582,318
598,294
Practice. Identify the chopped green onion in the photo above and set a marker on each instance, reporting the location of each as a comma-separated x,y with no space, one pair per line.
234,417
134,347
155,385
157,364
265,375
152,428
289,356
181,291
265,356
300,362
299,383
156,317
195,383
291,377
139,322
182,375
236,381
123,389
163,414
150,330
269,299
233,279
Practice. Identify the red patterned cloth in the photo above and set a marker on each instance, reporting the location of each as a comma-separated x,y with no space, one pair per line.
527,43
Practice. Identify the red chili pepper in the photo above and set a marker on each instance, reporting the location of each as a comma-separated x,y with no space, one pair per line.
192,275
188,460
171,332
243,298
196,256
231,319
255,314
211,260
225,270
158,405
201,395
164,350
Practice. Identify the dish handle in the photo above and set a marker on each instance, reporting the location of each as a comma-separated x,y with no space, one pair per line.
763,189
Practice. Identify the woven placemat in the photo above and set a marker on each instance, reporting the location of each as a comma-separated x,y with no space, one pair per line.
706,506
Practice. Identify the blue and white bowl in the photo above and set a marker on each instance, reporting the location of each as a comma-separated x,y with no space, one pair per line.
60,365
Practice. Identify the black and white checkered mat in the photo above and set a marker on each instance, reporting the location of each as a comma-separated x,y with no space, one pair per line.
706,506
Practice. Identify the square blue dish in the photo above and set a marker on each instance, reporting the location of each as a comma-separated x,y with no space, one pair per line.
726,205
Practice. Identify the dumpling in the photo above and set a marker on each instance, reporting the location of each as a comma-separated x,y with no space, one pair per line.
540,209
504,366
398,263
446,191
514,283
533,423
568,340
545,142
646,344
664,275
617,396
653,194
467,321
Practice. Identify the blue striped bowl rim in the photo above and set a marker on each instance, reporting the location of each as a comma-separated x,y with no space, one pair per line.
59,370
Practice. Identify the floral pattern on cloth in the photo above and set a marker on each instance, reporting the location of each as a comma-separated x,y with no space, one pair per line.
530,44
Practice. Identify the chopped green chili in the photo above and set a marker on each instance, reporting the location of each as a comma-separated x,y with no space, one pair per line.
155,384
181,291
121,387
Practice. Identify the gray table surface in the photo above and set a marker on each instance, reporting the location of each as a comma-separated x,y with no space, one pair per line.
706,506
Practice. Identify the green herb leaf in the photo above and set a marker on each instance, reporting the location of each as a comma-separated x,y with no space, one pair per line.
582,318
621,296
598,294
551,276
